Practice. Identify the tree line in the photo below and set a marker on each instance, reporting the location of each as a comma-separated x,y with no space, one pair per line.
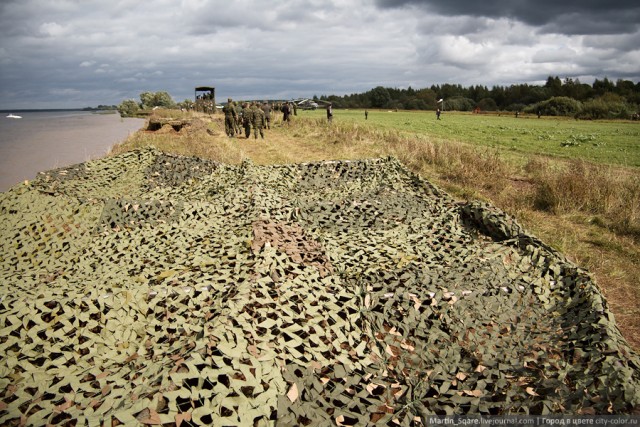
602,99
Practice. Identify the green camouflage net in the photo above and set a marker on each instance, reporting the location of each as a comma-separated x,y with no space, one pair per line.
150,289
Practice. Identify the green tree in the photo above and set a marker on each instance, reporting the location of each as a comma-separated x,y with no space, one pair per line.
625,88
478,92
380,97
600,87
458,103
128,108
499,95
487,104
427,98
554,86
146,100
163,99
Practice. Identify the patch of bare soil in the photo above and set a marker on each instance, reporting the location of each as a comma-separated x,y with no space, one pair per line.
292,240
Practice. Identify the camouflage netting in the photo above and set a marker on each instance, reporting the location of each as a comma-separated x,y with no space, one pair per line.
156,289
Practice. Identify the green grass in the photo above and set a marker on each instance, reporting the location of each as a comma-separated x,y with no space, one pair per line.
604,142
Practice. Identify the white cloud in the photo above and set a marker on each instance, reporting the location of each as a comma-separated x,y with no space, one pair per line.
52,29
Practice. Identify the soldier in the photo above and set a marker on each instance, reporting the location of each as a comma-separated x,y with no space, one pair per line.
267,114
239,119
258,121
230,118
246,119
286,113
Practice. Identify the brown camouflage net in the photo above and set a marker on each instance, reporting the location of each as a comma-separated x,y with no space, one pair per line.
150,289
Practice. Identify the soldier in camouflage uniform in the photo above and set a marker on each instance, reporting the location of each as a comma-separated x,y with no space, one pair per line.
246,119
238,119
258,120
286,113
267,114
230,118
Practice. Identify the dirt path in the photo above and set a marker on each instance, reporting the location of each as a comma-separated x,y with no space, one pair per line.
275,148
295,143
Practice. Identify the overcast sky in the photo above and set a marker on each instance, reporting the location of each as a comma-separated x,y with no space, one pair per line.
78,53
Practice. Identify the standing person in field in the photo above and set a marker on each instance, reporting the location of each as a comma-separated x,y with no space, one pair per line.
267,114
246,120
230,118
366,114
238,108
258,121
438,114
329,113
286,113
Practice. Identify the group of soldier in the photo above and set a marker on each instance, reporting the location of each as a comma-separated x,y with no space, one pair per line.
239,119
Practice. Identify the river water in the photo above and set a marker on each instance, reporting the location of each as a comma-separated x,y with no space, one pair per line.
44,140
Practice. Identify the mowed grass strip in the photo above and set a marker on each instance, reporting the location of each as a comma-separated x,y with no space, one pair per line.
583,198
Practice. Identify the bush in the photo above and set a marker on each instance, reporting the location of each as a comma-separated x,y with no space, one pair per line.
458,103
516,107
128,108
487,104
602,109
559,106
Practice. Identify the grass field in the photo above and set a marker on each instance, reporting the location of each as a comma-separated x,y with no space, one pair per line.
605,142
574,184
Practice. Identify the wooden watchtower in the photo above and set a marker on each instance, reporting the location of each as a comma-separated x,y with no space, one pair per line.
205,98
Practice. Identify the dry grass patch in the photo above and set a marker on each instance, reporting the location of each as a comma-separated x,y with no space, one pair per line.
577,186
203,138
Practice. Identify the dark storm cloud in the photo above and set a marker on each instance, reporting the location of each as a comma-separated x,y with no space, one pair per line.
557,16
75,53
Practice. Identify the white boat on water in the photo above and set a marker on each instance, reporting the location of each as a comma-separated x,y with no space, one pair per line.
13,116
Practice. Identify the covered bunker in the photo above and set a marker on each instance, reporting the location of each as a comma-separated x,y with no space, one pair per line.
152,289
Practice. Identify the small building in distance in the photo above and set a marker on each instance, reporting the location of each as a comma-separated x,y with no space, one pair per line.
205,98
